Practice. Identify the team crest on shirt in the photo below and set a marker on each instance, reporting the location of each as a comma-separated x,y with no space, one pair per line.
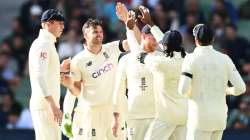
88,64
105,55
43,55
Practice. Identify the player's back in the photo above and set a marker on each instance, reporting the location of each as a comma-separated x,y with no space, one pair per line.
210,77
139,80
170,106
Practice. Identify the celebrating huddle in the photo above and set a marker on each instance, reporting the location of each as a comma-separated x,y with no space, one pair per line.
154,92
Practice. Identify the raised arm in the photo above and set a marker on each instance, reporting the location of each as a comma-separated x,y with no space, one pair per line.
131,37
145,17
122,14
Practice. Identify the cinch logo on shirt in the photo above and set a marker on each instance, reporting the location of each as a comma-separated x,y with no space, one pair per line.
102,70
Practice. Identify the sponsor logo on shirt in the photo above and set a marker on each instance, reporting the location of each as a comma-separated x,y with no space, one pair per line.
102,70
105,55
43,55
88,64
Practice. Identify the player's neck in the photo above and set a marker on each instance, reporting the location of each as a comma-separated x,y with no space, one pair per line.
95,49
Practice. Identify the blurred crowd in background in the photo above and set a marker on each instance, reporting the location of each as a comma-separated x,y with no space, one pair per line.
226,18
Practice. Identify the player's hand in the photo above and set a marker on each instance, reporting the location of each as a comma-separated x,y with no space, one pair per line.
65,73
121,12
145,16
57,113
131,19
115,126
66,126
65,66
66,80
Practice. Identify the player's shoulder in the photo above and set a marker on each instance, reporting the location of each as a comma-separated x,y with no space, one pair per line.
189,56
80,56
123,57
110,46
222,56
40,45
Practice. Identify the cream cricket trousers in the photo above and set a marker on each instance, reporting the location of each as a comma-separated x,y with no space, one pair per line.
95,124
204,135
137,128
160,130
78,119
45,127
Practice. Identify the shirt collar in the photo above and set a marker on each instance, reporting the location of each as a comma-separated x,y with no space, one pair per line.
92,54
203,47
45,34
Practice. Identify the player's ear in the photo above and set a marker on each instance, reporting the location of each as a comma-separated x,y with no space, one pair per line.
85,36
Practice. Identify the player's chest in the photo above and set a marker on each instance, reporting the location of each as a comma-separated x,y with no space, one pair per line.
99,66
54,61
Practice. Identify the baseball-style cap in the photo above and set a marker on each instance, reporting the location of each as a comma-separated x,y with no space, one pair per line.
146,29
52,14
203,33
171,38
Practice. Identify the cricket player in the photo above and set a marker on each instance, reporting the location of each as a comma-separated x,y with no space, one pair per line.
73,128
95,68
205,76
171,108
133,75
44,70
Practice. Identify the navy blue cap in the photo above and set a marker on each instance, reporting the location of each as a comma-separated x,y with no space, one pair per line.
171,38
52,14
203,33
146,29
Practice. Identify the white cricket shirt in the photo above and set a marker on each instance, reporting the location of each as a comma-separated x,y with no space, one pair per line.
138,80
170,106
206,73
44,70
98,73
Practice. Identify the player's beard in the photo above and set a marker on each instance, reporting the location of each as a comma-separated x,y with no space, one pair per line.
97,41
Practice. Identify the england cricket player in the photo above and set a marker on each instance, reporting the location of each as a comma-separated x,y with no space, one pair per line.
171,108
95,68
205,76
133,75
72,128
44,69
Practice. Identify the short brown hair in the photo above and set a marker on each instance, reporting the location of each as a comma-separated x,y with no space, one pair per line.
91,23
